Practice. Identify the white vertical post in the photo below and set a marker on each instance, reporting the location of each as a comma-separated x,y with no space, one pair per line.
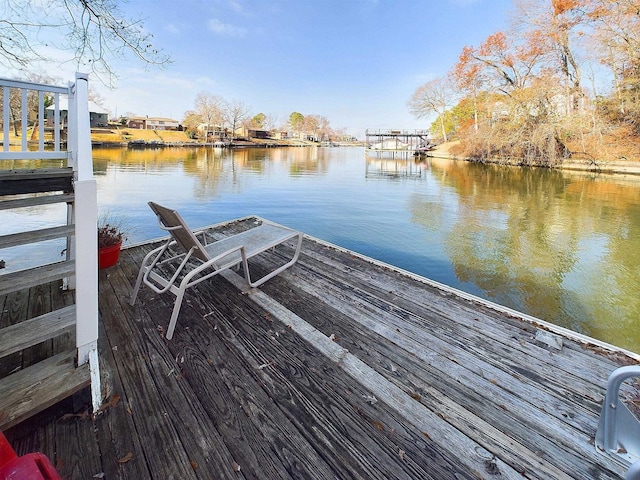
86,237
5,119
72,154
82,128
25,120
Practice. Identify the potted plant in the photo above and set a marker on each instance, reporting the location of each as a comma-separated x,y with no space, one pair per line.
110,237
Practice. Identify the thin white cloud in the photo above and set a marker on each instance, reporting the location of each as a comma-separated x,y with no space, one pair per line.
237,6
172,28
220,28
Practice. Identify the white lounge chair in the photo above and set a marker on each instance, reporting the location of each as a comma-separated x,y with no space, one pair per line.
200,261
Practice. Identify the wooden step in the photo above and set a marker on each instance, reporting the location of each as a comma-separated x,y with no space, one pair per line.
33,236
35,330
43,384
12,282
15,182
34,201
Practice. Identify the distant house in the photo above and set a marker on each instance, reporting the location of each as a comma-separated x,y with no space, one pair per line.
279,135
309,137
499,110
213,131
153,123
248,132
348,138
98,116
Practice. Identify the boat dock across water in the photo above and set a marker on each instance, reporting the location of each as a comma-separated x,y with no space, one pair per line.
417,142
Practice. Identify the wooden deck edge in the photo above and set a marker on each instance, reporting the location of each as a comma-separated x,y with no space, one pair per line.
565,332
29,391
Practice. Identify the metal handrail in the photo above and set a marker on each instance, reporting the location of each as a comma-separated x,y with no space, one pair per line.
618,431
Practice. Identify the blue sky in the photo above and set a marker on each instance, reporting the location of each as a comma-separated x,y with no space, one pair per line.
356,62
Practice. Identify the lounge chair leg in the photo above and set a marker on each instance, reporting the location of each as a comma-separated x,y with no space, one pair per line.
134,294
147,263
174,314
275,272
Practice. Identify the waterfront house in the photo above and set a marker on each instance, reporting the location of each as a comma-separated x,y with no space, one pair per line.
152,123
98,116
212,131
248,132
280,134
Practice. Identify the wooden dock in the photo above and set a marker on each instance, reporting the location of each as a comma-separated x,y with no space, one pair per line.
337,368
410,141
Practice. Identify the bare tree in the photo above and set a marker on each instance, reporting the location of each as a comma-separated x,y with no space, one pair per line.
436,97
617,42
210,109
93,32
318,125
234,113
269,122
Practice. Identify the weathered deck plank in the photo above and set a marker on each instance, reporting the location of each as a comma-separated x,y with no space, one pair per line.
164,458
476,332
287,368
117,437
476,404
336,368
506,399
202,444
417,330
427,426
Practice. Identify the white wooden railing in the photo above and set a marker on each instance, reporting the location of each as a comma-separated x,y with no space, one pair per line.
21,96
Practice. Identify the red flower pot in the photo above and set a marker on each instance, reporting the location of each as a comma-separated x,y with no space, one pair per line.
108,256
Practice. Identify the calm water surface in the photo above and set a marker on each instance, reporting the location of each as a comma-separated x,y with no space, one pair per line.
563,247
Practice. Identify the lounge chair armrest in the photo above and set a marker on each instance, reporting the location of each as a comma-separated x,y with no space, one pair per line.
217,268
159,288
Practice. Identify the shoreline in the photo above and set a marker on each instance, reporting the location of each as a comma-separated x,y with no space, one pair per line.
589,166
441,151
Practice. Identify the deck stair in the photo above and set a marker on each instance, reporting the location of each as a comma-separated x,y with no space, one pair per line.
40,358
31,387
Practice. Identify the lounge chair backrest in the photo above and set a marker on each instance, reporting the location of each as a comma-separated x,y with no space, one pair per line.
177,227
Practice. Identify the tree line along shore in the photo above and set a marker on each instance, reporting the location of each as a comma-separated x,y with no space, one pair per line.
122,137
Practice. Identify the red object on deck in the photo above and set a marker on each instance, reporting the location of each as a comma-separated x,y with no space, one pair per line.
108,256
32,466
6,452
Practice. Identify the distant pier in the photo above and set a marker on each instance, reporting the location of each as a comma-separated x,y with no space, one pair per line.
398,140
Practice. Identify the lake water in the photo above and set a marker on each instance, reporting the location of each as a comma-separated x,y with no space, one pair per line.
564,247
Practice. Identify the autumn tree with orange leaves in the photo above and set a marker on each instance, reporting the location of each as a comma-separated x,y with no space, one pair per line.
527,85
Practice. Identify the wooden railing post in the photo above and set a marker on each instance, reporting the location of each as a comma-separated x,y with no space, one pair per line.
86,237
